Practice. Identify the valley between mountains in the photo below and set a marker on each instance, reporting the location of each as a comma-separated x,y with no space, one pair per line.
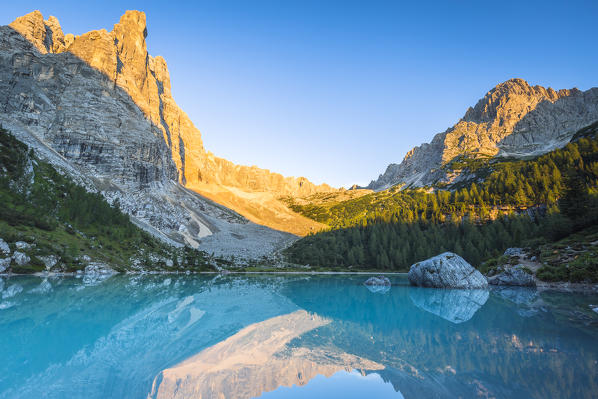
100,168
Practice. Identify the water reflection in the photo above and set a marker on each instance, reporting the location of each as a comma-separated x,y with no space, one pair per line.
456,306
275,336
257,359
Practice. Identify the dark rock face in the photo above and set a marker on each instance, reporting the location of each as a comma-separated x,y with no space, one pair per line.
447,270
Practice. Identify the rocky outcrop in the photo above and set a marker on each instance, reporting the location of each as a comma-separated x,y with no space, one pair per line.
447,270
99,107
20,258
4,248
5,264
513,119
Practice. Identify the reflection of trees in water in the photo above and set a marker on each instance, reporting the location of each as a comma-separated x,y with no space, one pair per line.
497,348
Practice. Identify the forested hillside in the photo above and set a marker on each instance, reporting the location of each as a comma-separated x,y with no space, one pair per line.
502,204
51,216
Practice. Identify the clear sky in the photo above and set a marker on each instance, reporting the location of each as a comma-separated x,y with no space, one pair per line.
336,90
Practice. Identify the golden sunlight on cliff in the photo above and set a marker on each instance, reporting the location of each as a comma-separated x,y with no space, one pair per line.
122,56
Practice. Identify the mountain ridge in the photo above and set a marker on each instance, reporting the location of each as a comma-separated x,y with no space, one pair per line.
72,100
121,55
512,119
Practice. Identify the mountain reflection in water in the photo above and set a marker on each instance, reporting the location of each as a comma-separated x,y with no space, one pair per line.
290,336
257,359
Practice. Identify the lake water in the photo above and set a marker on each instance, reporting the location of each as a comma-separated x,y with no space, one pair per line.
290,336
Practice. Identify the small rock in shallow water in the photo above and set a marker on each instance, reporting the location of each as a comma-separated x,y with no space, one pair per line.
379,280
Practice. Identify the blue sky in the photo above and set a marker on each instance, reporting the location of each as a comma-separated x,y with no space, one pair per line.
337,90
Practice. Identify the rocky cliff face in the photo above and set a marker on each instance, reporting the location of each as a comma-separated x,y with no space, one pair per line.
99,107
513,119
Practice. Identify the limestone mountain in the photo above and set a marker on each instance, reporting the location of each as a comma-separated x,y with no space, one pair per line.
513,119
100,108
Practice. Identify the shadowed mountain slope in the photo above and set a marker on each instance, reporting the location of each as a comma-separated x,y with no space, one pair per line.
99,107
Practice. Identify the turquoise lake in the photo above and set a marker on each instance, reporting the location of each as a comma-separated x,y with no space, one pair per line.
290,336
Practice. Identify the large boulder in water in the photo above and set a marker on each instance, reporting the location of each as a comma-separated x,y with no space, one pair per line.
447,270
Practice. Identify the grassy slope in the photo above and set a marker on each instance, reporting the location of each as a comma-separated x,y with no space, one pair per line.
43,207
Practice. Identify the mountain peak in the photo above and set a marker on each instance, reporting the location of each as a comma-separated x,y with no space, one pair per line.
132,23
513,118
509,100
46,36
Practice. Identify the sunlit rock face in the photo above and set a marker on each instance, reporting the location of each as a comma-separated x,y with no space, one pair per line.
513,119
99,107
255,360
456,306
122,58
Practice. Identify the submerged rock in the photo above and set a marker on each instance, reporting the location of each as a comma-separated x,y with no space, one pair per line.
513,276
447,270
456,306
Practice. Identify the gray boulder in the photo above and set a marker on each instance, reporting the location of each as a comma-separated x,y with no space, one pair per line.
515,276
49,261
23,245
514,252
97,272
378,284
20,258
4,264
4,248
379,280
447,270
